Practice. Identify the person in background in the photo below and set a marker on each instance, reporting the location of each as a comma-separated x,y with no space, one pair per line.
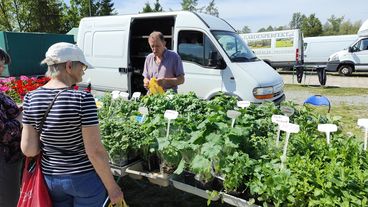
75,164
10,153
163,64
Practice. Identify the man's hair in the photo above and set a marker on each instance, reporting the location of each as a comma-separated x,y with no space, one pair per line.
4,56
157,34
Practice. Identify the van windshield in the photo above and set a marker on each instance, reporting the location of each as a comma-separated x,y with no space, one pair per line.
234,46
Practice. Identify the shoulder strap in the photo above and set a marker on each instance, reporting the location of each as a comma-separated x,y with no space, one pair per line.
48,110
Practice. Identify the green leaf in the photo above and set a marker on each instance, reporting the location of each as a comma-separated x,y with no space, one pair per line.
180,167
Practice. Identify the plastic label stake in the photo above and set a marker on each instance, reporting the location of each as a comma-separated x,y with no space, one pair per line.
243,104
288,128
124,95
170,115
144,111
287,111
278,119
327,128
232,114
364,123
136,96
115,94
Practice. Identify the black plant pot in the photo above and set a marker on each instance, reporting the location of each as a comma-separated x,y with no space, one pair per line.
152,163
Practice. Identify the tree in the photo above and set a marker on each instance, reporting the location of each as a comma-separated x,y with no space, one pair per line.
6,16
105,8
245,30
297,20
332,26
189,5
311,26
269,29
147,8
212,9
157,7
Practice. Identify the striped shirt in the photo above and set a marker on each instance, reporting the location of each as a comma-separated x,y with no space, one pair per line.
61,137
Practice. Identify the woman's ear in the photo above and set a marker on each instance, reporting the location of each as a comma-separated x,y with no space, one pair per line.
68,66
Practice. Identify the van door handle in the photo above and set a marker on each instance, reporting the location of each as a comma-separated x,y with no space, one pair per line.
232,78
125,70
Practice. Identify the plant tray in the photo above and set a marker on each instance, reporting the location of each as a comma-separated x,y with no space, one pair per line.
177,183
118,170
235,201
158,178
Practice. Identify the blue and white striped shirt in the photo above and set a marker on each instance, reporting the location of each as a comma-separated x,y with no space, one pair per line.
61,137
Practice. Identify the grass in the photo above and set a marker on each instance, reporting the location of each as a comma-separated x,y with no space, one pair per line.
349,113
328,91
349,117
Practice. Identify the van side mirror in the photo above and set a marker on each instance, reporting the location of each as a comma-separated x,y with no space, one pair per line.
350,49
216,61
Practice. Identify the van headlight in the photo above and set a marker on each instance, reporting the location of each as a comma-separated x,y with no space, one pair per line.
263,92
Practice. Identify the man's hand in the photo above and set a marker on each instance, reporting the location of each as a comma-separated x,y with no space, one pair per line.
145,83
161,82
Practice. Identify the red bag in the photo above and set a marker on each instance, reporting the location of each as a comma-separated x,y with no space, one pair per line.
34,192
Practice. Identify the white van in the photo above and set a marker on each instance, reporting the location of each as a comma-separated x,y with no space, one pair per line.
280,49
317,50
219,60
354,58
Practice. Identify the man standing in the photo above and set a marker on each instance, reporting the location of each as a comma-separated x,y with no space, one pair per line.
163,64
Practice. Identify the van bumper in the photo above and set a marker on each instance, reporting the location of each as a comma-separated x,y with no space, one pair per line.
332,66
279,100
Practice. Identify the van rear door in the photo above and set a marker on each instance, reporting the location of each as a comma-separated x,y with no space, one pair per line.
104,41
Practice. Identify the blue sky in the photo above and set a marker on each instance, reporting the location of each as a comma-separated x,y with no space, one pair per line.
262,13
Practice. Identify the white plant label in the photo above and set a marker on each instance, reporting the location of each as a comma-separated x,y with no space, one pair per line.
288,111
170,96
124,95
327,128
115,94
232,114
289,127
171,114
364,123
280,119
143,110
243,104
136,95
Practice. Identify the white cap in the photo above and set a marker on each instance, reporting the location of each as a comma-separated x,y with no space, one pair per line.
63,52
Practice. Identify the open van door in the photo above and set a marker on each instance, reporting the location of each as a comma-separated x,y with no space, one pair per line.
106,48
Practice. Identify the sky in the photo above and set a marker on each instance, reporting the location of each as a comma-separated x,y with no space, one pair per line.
258,14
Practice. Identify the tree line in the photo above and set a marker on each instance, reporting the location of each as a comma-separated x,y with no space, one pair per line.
311,26
55,16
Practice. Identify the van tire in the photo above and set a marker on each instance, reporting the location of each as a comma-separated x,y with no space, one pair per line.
345,70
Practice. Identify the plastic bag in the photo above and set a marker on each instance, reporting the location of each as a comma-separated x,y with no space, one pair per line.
108,203
154,88
34,190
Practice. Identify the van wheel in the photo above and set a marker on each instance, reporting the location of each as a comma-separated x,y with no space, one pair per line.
345,70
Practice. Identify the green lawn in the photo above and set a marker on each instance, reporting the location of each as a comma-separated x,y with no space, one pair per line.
328,91
349,113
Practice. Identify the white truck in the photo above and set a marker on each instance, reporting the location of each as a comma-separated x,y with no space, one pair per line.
280,49
354,58
218,61
318,49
